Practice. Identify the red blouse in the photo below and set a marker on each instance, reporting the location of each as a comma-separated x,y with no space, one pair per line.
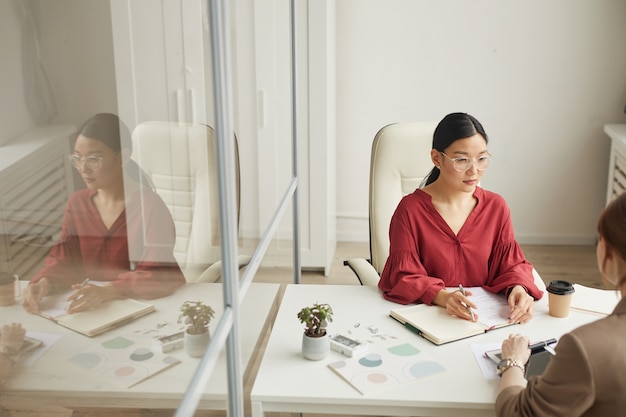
425,255
88,249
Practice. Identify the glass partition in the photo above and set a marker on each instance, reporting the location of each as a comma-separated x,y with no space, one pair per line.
145,68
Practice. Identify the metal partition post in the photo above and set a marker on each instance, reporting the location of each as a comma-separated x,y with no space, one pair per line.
224,129
227,331
219,19
294,144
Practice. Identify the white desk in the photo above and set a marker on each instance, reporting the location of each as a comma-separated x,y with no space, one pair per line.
286,382
53,380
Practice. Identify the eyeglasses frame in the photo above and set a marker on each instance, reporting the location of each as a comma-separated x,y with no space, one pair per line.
474,161
84,161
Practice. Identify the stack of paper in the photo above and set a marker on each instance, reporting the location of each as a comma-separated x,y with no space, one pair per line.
594,300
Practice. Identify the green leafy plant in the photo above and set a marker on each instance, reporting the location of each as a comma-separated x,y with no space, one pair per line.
196,316
316,319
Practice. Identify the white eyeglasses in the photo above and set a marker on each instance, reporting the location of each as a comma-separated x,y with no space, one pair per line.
93,163
464,163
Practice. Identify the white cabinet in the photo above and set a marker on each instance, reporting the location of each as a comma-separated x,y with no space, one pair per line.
163,72
617,163
316,124
160,52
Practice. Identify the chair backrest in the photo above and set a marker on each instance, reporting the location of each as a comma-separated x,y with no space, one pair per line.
180,159
400,160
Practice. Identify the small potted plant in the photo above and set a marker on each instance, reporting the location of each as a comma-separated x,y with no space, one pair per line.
315,340
197,316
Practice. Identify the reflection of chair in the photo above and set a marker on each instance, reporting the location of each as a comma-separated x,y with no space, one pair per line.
181,162
400,160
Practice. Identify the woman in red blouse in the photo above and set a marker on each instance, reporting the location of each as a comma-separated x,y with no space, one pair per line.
116,230
451,232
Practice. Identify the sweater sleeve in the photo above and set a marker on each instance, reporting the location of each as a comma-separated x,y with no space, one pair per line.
508,266
404,278
63,264
154,272
566,387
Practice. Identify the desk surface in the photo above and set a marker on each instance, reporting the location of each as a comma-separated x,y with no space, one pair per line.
55,381
286,382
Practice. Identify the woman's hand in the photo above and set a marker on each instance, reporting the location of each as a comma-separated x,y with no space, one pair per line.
87,297
33,295
521,305
516,347
12,336
456,304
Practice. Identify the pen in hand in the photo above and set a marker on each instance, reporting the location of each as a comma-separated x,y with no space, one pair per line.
469,310
82,285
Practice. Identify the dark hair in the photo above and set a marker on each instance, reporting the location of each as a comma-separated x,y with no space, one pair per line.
111,131
612,228
451,128
108,129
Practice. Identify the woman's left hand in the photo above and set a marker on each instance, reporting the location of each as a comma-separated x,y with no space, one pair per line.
521,305
89,297
516,347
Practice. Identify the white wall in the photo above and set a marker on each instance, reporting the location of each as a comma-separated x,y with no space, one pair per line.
542,77
77,50
14,117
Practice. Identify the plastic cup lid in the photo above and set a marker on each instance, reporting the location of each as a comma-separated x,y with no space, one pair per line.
560,287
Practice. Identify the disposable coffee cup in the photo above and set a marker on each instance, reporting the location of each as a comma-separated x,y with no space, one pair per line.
8,288
560,298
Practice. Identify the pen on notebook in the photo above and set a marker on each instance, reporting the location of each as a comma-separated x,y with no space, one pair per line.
469,310
540,346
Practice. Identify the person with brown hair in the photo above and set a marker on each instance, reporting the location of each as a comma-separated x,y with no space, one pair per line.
587,375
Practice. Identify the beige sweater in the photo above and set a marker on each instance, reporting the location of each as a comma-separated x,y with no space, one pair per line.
587,377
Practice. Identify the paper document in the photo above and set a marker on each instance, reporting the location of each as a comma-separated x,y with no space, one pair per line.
376,371
486,365
124,359
106,316
594,300
492,309
435,324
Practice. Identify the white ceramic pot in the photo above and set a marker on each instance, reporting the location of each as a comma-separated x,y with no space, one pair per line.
196,344
315,348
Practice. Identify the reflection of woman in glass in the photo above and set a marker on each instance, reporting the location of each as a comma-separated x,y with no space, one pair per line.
113,217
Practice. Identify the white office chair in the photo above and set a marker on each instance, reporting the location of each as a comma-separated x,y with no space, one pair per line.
400,160
180,159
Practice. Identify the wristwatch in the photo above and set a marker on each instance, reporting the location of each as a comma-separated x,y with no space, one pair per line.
506,364
10,352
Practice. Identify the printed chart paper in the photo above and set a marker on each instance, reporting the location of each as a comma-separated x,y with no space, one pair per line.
123,360
377,371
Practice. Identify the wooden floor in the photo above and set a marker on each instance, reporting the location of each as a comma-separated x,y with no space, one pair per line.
573,263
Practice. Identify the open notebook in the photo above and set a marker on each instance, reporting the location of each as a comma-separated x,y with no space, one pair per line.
435,324
107,316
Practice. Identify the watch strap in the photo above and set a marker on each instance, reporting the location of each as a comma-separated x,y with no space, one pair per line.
506,364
